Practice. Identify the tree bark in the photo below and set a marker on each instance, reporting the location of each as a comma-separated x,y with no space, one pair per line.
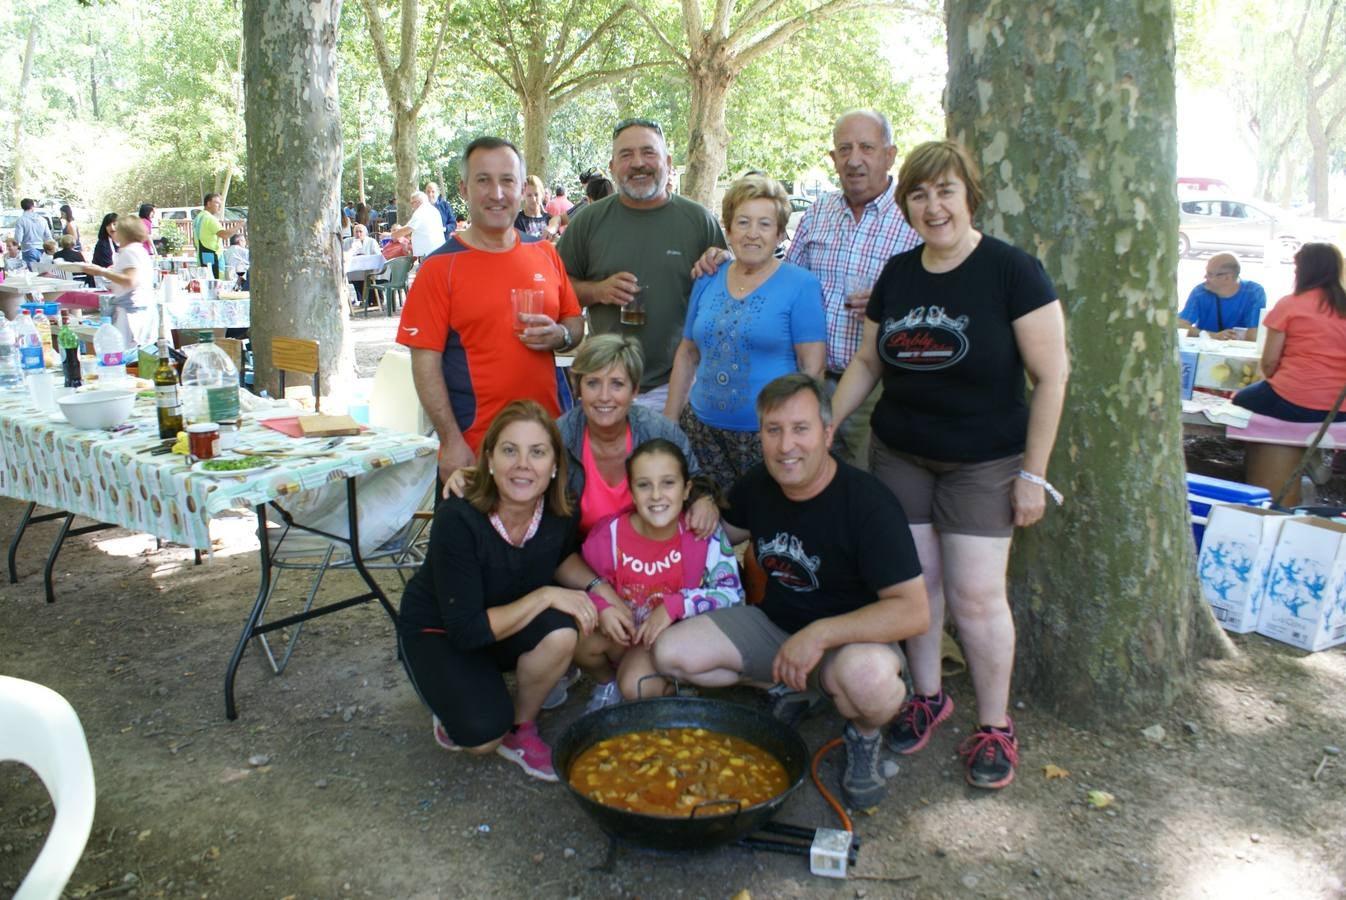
707,137
294,175
25,75
537,113
1068,106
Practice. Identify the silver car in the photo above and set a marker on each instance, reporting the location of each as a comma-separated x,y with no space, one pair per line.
1253,228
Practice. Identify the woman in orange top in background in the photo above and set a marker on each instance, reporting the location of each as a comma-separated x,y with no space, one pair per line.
1303,362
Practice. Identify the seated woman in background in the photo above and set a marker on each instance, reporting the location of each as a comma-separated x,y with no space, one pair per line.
751,321
1303,362
486,600
67,251
14,261
532,218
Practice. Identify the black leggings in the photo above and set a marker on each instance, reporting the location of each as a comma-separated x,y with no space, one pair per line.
465,688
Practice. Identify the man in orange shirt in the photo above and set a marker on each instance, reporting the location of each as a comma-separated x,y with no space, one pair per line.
468,360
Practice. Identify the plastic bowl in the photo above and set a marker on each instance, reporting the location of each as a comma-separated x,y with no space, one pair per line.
98,409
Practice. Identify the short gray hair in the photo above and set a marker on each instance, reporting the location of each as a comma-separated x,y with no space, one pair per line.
421,196
603,350
874,115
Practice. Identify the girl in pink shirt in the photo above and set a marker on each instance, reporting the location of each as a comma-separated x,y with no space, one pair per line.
658,566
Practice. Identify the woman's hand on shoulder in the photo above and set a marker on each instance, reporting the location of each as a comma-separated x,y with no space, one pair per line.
456,484
703,517
575,604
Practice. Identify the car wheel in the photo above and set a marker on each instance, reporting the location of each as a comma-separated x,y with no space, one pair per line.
1184,245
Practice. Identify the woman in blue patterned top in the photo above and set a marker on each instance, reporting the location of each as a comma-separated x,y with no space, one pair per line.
751,321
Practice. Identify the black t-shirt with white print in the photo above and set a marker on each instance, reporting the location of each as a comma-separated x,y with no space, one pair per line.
828,555
953,380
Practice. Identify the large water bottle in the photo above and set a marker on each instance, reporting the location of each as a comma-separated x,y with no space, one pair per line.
11,373
110,348
34,368
209,384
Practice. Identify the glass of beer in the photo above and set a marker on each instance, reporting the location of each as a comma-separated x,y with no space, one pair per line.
633,313
524,302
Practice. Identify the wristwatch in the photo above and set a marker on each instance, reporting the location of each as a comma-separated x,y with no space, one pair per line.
565,337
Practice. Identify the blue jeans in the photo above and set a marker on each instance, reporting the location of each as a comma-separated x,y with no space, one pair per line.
31,256
1261,399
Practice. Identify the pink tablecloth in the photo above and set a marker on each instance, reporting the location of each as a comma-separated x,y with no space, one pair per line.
1266,430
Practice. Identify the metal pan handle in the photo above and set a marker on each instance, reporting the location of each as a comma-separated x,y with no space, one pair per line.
640,685
738,804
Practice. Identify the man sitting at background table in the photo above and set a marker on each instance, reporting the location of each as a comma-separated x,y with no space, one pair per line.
1223,304
359,244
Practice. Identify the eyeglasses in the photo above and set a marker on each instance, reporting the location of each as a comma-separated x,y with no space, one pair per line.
1219,273
637,123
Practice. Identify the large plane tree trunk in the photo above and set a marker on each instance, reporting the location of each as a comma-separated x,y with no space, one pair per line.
1068,106
294,176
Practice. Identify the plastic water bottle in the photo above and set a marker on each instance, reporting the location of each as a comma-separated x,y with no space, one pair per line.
11,374
110,349
34,368
43,326
209,384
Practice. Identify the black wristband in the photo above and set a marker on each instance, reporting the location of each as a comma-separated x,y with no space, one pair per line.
598,579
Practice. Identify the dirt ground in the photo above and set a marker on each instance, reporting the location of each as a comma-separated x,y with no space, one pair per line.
329,784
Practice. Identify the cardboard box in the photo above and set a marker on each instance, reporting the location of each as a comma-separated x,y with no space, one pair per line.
1305,597
1235,560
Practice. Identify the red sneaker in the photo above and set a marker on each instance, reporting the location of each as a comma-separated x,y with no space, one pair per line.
441,736
992,754
916,721
524,746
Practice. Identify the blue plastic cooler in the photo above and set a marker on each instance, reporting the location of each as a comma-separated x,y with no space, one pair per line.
1204,492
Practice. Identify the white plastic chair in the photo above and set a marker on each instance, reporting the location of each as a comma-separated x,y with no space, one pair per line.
40,729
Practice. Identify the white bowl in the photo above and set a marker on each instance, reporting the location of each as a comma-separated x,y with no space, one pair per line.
98,409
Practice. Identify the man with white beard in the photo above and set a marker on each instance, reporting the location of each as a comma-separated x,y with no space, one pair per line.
640,243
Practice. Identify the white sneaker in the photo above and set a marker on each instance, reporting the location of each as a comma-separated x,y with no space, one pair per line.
604,695
561,690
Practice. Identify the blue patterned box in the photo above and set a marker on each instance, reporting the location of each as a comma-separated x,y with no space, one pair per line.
1234,562
1187,362
1305,599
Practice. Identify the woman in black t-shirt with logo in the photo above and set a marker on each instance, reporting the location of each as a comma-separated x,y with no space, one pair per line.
951,327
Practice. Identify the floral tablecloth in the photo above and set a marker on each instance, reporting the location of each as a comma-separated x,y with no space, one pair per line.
195,311
112,477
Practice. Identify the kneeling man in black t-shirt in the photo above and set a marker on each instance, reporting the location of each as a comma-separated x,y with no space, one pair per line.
843,583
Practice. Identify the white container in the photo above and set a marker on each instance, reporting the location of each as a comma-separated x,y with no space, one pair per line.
1305,598
98,409
31,359
209,384
110,349
11,373
1235,561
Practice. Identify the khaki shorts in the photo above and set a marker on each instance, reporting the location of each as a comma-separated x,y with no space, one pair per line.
757,640
957,498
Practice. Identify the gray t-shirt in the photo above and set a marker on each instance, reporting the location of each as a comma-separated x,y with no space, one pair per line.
658,246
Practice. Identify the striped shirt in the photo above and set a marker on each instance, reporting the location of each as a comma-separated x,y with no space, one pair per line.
847,256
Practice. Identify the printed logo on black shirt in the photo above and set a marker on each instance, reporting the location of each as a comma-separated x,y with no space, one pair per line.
925,340
783,558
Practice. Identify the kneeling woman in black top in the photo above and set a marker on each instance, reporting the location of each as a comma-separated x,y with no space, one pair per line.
485,601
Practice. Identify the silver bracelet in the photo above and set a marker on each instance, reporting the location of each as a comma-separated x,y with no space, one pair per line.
1042,483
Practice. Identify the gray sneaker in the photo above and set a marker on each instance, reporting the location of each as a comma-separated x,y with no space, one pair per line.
861,783
604,695
561,690
791,707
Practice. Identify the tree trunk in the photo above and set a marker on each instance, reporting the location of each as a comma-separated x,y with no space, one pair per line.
1068,106
1318,144
93,77
537,113
707,138
404,159
25,75
222,184
294,176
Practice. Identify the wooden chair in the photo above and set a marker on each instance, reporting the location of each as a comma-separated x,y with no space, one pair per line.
296,355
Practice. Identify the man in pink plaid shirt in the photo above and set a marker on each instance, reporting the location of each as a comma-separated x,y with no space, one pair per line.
844,239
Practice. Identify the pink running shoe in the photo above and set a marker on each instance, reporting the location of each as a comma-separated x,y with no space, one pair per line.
524,746
442,737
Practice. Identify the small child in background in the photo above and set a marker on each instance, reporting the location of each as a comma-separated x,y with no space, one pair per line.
657,565
237,262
